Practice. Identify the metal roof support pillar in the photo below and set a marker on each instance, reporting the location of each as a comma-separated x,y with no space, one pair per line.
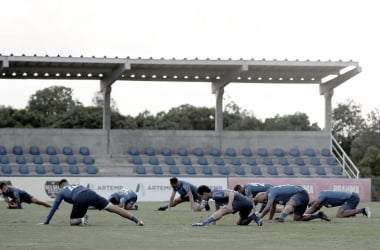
328,110
219,110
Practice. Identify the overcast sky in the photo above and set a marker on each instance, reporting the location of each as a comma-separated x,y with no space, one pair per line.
271,29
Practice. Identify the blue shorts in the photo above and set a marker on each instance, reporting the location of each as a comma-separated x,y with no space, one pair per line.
302,200
25,197
84,200
351,203
244,207
197,198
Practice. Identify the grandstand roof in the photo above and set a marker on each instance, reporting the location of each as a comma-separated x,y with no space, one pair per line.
179,70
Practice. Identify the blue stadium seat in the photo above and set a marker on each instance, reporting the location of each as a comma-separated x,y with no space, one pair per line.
4,159
279,152
288,170
74,169
315,161
173,169
50,150
235,161
23,169
198,152
169,160
299,161
310,152
186,160
214,152
219,161
207,170
223,170
267,161
230,152
57,169
190,170
71,160
166,151
331,161
54,159
91,169
140,169
283,161
182,151
17,150
263,152
157,170
37,159
256,170
153,160
34,150
202,161
67,150
136,159
3,150
337,170
6,169
304,170
239,170
150,151
272,170
247,152
326,152
251,161
320,170
84,150
295,152
133,151
40,169
20,159
88,160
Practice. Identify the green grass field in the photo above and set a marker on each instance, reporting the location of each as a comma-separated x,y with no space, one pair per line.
173,230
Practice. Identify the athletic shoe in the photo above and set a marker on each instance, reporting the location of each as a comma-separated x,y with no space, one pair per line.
278,220
161,209
324,216
85,220
259,223
140,223
200,224
367,212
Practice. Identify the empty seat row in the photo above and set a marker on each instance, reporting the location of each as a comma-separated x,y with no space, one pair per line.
53,159
304,171
41,169
50,150
202,160
231,152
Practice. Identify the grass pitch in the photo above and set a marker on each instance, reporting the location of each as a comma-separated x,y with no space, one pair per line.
173,230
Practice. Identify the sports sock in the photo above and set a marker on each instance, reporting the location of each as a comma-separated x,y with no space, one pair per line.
315,216
134,219
283,215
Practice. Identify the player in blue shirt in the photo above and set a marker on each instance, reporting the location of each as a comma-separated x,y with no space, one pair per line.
124,198
14,197
251,190
187,193
295,199
81,198
347,200
227,202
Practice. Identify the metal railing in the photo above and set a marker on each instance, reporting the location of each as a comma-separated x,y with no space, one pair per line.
349,168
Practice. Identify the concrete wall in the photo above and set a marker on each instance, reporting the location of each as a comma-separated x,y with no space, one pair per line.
121,140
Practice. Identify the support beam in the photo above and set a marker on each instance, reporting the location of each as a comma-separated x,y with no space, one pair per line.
4,64
328,110
219,110
335,82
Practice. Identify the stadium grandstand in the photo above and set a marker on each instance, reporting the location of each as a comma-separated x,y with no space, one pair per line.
51,153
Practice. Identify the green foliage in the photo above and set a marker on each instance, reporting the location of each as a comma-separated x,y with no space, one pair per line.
295,122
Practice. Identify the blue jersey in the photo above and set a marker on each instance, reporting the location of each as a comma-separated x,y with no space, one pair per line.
18,194
251,189
332,198
185,187
240,202
125,196
282,194
68,194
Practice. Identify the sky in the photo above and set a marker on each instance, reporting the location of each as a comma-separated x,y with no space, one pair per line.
271,29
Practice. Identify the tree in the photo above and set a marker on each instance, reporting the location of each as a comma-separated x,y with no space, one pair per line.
347,124
295,122
98,101
52,102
